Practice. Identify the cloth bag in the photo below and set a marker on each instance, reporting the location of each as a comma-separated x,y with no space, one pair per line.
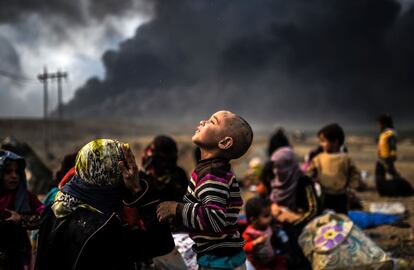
332,241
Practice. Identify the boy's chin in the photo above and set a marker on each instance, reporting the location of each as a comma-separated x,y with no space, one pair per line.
194,139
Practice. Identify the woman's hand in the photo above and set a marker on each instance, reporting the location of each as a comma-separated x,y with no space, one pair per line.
283,214
14,216
130,171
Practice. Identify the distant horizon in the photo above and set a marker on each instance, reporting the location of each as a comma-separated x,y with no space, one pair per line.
164,125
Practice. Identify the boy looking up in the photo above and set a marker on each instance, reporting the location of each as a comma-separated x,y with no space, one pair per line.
212,203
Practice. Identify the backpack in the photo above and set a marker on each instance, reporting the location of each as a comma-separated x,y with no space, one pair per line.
331,241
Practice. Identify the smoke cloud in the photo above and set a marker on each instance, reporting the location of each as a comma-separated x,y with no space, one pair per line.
304,61
271,60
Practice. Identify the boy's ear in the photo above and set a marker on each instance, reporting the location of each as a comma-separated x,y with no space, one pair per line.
225,143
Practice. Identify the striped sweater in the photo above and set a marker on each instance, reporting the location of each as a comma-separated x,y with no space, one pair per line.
211,209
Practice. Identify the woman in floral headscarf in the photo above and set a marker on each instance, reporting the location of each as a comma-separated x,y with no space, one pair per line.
83,228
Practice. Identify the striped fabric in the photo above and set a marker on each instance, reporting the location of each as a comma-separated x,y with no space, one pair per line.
211,208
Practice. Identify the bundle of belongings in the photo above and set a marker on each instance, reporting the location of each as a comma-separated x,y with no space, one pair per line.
332,241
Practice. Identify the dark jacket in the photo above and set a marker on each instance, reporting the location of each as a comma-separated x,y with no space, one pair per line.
173,186
89,240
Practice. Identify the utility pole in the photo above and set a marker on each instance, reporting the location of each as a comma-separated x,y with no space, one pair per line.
59,76
43,78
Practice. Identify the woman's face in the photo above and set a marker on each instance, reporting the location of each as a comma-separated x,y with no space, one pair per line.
11,177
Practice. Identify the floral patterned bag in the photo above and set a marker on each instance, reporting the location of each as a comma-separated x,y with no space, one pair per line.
332,241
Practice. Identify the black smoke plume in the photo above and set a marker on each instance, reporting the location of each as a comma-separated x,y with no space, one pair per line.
298,60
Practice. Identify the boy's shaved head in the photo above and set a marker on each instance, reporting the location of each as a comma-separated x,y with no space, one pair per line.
224,134
241,132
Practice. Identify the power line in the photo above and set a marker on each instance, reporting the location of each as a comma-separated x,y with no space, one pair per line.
16,77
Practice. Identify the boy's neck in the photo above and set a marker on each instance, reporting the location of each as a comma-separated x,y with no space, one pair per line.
214,153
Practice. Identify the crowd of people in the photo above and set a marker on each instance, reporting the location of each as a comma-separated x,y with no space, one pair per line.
106,212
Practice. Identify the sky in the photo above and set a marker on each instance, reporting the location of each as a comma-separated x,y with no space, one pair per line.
62,36
272,61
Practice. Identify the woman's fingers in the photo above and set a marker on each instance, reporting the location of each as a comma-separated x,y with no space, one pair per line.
129,157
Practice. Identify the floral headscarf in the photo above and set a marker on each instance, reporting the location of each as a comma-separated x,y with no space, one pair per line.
97,184
97,162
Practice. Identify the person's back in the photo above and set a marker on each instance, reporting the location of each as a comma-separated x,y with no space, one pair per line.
83,229
77,242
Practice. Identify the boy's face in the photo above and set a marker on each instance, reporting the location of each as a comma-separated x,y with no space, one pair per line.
11,177
328,146
210,132
263,221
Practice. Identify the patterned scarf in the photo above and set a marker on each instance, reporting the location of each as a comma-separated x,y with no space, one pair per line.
97,184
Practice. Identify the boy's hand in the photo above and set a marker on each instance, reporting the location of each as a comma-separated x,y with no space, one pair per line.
166,210
130,171
14,216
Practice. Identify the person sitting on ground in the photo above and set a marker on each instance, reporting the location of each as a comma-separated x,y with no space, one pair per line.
294,199
213,202
264,247
387,179
334,169
19,211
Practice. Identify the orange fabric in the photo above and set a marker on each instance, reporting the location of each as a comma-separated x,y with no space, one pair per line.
67,178
261,189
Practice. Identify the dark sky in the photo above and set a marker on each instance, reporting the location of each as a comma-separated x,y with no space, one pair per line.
272,61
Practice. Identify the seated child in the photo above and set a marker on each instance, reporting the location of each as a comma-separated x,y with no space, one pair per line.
334,170
212,203
261,251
